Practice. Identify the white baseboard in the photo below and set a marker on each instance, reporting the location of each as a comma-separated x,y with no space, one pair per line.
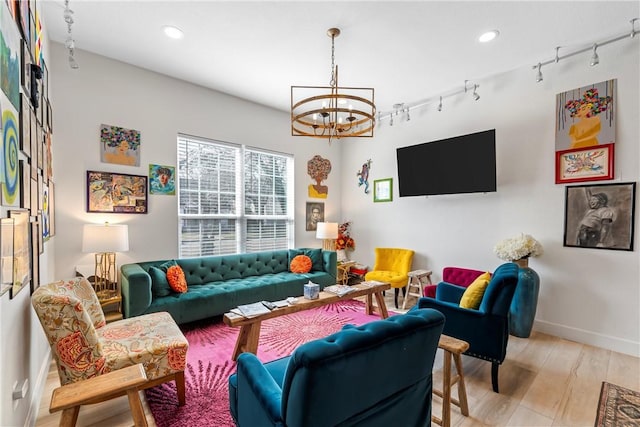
595,339
38,389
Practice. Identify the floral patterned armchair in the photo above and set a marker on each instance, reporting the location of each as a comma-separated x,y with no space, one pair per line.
85,346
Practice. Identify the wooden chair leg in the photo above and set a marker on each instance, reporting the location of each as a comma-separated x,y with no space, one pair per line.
180,388
69,417
494,376
397,292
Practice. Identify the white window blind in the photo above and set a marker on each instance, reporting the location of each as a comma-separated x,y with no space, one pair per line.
232,198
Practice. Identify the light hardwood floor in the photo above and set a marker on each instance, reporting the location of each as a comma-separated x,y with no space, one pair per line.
544,381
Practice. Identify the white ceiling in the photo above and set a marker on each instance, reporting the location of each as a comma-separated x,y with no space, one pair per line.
407,51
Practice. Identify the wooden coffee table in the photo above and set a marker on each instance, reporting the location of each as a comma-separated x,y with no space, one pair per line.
250,327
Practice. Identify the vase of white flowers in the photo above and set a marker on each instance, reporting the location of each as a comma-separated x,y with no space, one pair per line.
525,299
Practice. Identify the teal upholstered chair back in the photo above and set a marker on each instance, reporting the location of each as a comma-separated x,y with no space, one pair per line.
347,378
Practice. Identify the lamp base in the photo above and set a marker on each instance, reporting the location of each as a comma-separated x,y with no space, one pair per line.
329,244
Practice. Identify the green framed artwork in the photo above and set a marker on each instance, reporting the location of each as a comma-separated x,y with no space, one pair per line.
383,190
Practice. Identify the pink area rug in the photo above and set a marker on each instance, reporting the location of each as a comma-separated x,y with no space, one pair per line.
209,363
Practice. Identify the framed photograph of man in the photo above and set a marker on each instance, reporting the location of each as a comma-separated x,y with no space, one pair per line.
315,214
600,216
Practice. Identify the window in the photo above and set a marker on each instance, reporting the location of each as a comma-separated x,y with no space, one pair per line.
232,198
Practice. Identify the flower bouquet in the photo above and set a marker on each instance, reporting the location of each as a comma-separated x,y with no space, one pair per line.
517,248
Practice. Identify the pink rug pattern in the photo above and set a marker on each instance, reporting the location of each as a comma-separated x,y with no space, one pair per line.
209,363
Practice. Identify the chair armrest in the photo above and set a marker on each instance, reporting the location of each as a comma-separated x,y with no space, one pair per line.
330,263
136,290
259,396
449,292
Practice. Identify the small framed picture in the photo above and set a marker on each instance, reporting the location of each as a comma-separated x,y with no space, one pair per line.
585,164
383,190
314,215
600,216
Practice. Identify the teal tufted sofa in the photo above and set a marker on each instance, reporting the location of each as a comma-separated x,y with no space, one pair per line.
216,284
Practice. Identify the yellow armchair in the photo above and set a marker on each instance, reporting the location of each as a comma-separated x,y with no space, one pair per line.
392,265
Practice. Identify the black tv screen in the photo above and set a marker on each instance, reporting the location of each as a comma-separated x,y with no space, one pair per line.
463,164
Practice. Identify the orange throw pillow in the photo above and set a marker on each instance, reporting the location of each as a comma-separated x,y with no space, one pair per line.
300,264
176,279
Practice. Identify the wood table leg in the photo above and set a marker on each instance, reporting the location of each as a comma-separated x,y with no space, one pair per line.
381,307
247,339
368,308
139,420
462,390
69,416
446,390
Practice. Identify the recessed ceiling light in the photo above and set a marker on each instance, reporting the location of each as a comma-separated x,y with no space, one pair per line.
173,32
488,36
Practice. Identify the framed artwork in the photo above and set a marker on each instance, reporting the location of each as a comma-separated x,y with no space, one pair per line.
11,56
116,193
9,158
318,168
600,216
25,70
586,116
585,164
119,145
24,19
314,215
49,116
25,185
6,255
383,190
34,145
35,253
52,210
162,180
34,197
46,221
47,151
25,126
21,250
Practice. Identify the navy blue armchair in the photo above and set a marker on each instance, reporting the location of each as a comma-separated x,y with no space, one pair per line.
486,329
344,379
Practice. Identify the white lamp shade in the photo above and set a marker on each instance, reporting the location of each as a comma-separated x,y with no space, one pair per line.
327,230
105,238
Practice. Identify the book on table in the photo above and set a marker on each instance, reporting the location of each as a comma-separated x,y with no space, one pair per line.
339,290
252,310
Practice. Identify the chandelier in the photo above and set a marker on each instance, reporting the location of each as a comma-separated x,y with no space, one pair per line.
332,111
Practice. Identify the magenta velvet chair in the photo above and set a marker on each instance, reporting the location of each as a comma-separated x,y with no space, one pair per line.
456,276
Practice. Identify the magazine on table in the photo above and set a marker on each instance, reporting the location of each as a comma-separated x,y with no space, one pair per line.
252,310
371,283
339,290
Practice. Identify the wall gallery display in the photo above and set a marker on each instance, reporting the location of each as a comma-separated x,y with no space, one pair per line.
116,193
600,216
585,164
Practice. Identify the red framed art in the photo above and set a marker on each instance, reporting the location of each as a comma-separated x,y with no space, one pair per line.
585,164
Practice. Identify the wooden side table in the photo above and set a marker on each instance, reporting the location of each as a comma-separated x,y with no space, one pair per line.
417,280
453,348
343,272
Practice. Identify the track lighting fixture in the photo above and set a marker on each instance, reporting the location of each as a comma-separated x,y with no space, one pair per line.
440,105
475,94
595,59
592,47
539,75
70,43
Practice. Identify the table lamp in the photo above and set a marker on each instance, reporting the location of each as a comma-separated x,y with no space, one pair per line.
105,240
328,231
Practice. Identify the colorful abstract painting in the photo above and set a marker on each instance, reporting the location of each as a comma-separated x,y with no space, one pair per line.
38,47
162,180
119,145
585,164
9,56
586,116
10,173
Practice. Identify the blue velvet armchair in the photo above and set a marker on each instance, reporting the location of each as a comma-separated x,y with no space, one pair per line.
486,329
344,379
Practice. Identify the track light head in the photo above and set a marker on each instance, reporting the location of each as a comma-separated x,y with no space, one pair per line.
475,94
440,105
595,59
539,74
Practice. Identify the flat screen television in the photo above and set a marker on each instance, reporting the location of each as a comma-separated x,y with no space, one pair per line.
462,164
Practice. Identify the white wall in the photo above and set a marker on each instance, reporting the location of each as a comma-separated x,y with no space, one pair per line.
587,295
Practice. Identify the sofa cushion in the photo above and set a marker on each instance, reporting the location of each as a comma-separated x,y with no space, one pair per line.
300,264
472,296
176,279
159,283
314,254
